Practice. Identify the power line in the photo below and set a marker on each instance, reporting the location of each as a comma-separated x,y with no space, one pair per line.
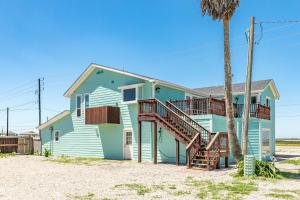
278,22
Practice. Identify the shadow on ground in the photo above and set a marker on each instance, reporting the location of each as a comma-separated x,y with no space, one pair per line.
283,157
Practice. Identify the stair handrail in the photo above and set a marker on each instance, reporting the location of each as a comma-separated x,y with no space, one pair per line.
169,109
213,146
188,118
212,142
173,112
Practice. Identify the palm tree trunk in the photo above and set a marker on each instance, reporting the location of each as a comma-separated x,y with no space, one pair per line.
233,141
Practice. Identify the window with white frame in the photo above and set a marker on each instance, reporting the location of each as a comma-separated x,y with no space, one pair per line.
56,136
78,105
128,137
129,94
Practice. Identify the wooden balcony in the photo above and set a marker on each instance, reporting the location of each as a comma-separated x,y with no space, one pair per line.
102,115
206,106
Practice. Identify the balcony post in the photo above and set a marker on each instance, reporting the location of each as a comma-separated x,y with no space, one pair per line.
140,141
155,143
177,152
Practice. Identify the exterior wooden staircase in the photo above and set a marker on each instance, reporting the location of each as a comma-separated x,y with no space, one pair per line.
203,148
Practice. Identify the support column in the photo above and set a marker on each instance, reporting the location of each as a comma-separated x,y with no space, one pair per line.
226,162
139,141
177,152
155,143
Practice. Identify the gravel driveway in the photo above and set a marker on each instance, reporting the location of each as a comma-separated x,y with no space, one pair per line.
32,177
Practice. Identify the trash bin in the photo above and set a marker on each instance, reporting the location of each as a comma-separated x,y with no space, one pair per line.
249,165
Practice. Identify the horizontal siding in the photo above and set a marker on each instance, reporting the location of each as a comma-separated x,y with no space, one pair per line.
104,141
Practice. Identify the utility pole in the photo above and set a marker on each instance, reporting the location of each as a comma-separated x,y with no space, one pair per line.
7,120
248,87
39,101
40,111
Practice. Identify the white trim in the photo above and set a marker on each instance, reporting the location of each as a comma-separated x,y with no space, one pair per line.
91,68
54,119
124,140
136,95
131,86
273,89
153,90
80,105
211,125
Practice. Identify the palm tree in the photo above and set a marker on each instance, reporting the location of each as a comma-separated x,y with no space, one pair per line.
223,10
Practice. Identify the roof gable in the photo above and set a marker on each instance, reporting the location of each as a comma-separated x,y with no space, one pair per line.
93,66
256,87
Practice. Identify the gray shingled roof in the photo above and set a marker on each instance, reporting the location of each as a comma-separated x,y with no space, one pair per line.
236,88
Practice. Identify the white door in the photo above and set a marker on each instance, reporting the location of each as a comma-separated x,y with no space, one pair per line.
127,144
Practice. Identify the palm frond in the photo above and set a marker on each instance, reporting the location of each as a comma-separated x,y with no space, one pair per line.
219,9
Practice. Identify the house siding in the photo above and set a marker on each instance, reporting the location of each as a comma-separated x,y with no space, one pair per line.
106,140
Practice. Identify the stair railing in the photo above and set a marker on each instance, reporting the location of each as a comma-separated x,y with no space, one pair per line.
201,138
205,134
156,108
217,147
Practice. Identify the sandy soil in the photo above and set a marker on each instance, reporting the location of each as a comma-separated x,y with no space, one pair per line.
31,177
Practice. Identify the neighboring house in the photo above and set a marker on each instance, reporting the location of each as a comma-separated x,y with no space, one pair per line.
32,134
116,114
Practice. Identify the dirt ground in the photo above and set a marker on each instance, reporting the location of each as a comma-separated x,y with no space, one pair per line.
34,177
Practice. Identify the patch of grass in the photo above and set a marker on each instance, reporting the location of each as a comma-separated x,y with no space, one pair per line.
224,190
288,143
289,191
281,196
181,193
158,187
79,160
88,196
139,188
172,187
5,155
292,161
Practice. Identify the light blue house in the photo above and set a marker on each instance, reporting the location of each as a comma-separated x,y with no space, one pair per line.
116,114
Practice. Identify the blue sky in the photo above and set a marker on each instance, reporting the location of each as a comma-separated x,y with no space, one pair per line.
166,39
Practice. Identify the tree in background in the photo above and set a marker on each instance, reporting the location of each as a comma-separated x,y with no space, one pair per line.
223,10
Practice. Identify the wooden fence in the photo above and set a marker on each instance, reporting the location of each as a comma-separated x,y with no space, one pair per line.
17,144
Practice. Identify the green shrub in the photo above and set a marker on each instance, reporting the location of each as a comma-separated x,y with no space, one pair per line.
47,152
262,168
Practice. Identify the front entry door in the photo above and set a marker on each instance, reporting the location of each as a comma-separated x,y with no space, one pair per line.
127,144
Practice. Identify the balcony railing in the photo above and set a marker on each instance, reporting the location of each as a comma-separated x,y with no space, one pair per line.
206,106
102,115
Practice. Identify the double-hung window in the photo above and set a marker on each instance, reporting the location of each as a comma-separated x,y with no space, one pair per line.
78,105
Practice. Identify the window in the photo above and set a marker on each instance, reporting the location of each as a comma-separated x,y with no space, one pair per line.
129,95
78,105
56,136
268,101
253,100
128,139
265,141
86,100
